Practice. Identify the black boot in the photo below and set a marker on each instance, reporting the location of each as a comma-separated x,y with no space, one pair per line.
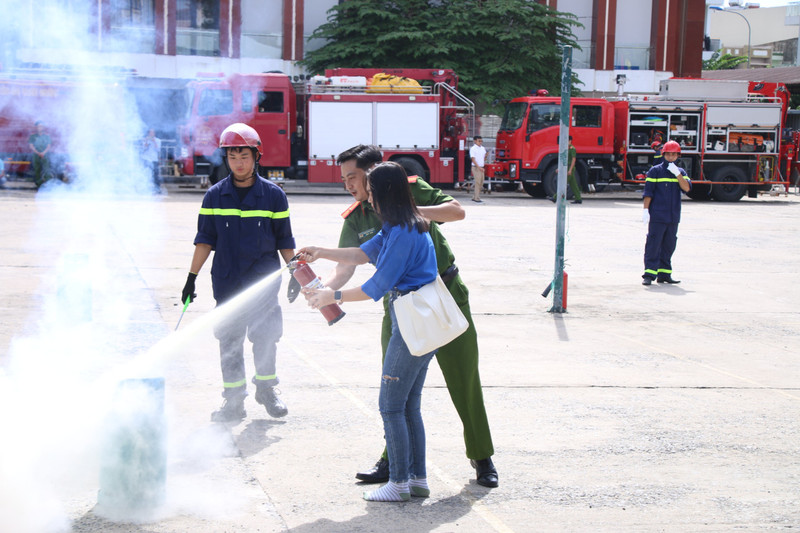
377,474
268,397
667,279
232,410
486,472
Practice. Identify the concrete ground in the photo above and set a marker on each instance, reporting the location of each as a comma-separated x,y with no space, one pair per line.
662,408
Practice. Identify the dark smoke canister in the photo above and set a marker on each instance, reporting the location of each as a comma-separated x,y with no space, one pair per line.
308,280
133,463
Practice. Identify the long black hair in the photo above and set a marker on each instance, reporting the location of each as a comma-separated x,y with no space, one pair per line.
391,197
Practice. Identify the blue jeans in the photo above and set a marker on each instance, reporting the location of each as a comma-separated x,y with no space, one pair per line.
403,376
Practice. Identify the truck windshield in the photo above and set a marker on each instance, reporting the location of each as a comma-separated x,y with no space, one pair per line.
514,115
543,116
215,102
189,99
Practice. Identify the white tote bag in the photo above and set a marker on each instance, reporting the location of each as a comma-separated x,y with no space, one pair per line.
429,318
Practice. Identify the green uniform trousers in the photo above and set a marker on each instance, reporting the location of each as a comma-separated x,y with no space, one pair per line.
41,169
573,183
458,361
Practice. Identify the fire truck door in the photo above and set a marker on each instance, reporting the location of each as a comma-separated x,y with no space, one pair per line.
272,124
588,133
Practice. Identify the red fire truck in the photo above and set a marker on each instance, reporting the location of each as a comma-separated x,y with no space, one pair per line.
74,110
23,102
730,132
424,127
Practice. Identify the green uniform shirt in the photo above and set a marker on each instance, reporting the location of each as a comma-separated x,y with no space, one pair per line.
40,141
361,223
571,154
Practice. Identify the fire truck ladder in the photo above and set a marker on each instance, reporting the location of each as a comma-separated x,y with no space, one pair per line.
466,106
463,106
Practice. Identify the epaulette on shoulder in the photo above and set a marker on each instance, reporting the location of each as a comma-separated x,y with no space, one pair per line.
346,212
413,179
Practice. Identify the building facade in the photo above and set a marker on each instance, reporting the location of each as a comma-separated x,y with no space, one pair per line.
162,38
645,40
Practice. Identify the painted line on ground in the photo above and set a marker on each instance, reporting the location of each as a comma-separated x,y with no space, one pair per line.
488,516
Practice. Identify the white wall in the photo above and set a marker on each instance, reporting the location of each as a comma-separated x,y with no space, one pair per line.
766,26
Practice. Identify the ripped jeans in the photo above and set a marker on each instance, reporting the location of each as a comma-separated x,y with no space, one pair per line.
402,379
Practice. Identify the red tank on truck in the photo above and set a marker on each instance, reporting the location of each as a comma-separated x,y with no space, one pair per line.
732,134
417,117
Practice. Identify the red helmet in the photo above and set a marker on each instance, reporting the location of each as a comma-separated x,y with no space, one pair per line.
239,134
671,146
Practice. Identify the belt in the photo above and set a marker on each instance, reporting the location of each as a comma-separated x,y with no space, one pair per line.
450,274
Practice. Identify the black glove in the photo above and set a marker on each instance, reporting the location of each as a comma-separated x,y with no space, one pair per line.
294,289
188,289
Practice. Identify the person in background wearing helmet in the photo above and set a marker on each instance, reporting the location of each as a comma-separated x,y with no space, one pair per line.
458,360
244,219
662,212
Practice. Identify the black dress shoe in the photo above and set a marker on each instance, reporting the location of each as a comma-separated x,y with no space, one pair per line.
377,474
486,472
668,279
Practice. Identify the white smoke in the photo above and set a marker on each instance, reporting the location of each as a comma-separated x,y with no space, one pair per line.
96,325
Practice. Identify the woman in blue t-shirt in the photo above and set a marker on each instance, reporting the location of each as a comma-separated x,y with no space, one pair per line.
404,258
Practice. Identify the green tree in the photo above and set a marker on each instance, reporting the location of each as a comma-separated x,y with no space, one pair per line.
723,62
499,48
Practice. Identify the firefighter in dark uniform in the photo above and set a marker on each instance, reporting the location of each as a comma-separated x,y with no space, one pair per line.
663,188
458,360
244,219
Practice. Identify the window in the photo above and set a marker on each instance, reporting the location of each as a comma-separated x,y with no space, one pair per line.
215,102
543,116
132,26
247,101
587,116
270,102
197,27
133,12
513,116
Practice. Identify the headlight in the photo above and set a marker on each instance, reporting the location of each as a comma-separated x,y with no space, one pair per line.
512,171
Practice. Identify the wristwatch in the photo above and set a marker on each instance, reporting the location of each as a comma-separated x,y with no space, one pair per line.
337,296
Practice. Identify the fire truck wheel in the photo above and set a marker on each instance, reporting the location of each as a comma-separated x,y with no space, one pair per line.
734,188
700,192
412,167
537,191
550,183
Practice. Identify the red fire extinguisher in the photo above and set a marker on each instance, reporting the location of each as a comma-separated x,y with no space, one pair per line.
308,280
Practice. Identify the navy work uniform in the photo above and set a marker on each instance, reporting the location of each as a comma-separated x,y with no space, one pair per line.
246,234
662,187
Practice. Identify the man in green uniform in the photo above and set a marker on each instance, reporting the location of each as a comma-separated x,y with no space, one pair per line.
457,360
39,143
572,155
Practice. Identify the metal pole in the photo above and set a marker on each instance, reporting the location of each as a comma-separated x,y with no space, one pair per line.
718,8
561,194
